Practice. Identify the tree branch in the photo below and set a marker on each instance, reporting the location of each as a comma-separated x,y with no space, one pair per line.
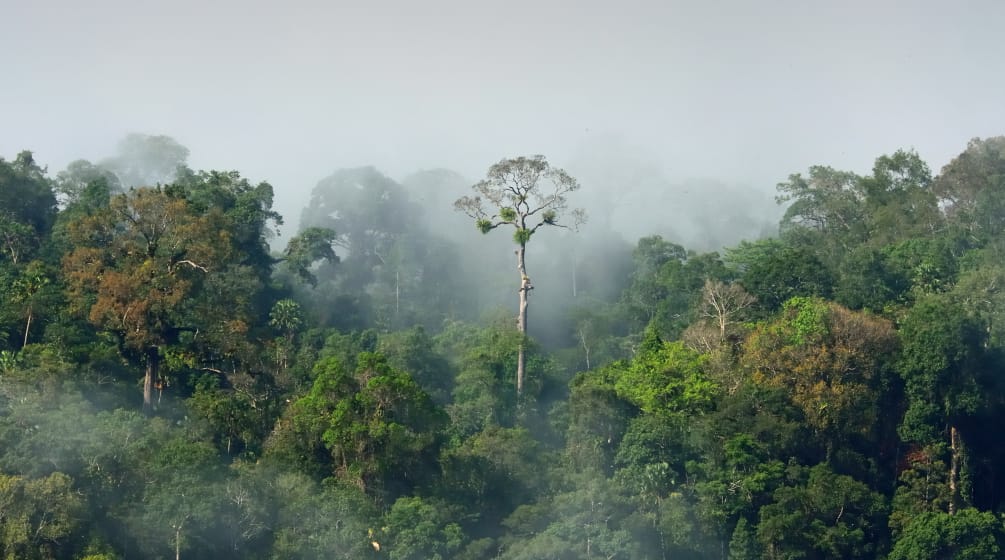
188,262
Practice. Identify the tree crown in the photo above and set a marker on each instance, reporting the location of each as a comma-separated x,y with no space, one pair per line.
524,192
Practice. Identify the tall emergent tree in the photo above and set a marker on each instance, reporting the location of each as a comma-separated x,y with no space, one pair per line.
525,193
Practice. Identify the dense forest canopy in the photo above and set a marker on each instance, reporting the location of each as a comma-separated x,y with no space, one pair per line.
173,384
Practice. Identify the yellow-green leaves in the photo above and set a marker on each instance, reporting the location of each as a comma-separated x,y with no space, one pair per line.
668,377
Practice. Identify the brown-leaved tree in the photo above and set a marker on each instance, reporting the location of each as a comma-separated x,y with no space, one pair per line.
137,269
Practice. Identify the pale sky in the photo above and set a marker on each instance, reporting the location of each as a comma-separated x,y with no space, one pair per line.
743,92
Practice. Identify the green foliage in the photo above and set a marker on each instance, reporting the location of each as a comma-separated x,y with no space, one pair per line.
822,514
246,209
39,516
414,351
736,480
316,522
484,392
494,471
286,316
83,186
377,424
580,524
871,279
180,502
365,417
651,456
28,201
899,198
241,419
922,486
968,535
310,246
939,365
418,530
777,273
826,200
665,378
646,291
808,320
598,419
743,544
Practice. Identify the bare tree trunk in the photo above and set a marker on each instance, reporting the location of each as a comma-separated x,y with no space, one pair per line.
153,361
521,320
586,347
575,291
177,537
954,467
27,328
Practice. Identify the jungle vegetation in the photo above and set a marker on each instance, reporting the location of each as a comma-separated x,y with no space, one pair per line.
173,384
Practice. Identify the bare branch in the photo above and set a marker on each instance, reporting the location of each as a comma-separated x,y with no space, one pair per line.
190,263
724,301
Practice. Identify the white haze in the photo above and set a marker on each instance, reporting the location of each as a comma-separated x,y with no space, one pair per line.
655,105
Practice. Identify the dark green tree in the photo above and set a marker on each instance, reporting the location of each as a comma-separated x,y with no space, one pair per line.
307,248
28,202
940,366
416,529
822,514
378,428
968,535
774,272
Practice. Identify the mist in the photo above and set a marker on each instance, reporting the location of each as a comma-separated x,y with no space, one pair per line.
723,92
242,317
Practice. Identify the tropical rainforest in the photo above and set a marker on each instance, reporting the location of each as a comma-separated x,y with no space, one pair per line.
177,383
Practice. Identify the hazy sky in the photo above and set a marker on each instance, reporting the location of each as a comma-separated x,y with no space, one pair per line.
740,91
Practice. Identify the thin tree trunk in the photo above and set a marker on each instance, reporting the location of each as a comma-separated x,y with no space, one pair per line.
521,320
153,361
575,291
177,537
954,467
27,328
